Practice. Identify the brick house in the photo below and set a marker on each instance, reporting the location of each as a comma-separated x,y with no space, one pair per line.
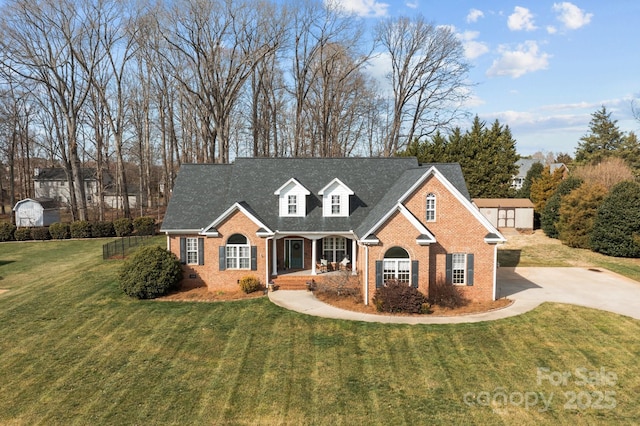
378,218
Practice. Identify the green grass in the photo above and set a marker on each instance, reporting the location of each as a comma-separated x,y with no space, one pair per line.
75,350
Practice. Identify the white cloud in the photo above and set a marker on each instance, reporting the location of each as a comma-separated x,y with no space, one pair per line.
521,19
364,8
515,63
571,15
412,4
551,29
472,48
474,15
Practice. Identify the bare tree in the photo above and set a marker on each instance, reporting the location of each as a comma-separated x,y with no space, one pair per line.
427,75
218,42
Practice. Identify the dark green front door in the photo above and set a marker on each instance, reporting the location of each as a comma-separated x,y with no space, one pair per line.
296,254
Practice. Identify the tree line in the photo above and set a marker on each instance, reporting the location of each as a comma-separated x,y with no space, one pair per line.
158,84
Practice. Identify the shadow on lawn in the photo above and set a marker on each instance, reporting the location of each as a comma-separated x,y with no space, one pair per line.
509,257
509,282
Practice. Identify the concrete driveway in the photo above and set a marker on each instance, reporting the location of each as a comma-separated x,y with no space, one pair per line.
592,287
527,287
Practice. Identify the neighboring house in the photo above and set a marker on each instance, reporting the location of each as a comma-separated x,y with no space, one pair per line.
380,218
36,212
524,164
507,212
54,183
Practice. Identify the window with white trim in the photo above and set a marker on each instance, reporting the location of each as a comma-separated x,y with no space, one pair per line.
334,249
292,204
458,268
238,252
396,265
431,207
192,251
335,204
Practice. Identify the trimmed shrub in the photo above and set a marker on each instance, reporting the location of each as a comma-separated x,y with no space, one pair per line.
80,229
150,272
616,231
396,296
249,284
123,227
102,229
40,233
446,296
59,231
7,231
144,225
23,234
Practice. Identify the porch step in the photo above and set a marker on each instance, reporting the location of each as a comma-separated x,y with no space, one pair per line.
292,282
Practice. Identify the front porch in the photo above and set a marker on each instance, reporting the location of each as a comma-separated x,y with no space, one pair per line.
311,255
297,279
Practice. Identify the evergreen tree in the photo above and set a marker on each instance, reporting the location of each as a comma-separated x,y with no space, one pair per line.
551,211
534,173
488,159
544,186
603,140
578,211
630,152
617,226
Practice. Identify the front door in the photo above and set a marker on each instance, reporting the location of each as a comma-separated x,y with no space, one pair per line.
295,253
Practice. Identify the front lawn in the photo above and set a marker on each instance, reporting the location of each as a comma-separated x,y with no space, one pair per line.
75,350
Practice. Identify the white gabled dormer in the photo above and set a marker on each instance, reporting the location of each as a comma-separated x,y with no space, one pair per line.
335,199
292,199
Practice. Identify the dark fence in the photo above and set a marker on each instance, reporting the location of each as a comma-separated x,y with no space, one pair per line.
121,247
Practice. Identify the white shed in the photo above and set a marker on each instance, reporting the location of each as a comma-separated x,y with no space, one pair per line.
36,212
507,212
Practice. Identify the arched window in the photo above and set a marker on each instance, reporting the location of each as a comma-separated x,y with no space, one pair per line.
396,265
238,252
431,207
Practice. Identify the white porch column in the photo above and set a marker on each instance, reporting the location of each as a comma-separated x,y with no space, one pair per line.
354,258
314,249
274,259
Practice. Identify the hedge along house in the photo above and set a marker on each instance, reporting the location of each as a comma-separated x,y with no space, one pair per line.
378,218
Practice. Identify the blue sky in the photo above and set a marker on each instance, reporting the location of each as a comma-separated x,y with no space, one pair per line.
541,67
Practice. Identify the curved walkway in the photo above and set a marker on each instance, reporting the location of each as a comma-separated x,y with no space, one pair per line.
527,287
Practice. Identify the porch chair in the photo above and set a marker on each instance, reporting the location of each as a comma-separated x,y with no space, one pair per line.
322,266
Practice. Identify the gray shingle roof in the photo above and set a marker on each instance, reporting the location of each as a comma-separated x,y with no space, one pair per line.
203,192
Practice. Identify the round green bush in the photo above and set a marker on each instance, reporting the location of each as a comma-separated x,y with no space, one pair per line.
7,231
102,229
144,225
123,227
249,284
40,233
59,231
396,296
80,229
150,272
22,234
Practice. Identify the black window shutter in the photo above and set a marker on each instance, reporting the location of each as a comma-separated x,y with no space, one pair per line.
414,273
200,251
222,259
183,250
254,258
469,269
449,269
379,282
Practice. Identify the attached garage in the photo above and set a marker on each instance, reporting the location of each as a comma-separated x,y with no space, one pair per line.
503,213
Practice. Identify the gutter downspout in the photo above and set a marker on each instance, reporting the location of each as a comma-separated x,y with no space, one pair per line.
495,270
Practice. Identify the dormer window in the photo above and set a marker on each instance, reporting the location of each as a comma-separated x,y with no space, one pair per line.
335,198
335,205
292,205
292,199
